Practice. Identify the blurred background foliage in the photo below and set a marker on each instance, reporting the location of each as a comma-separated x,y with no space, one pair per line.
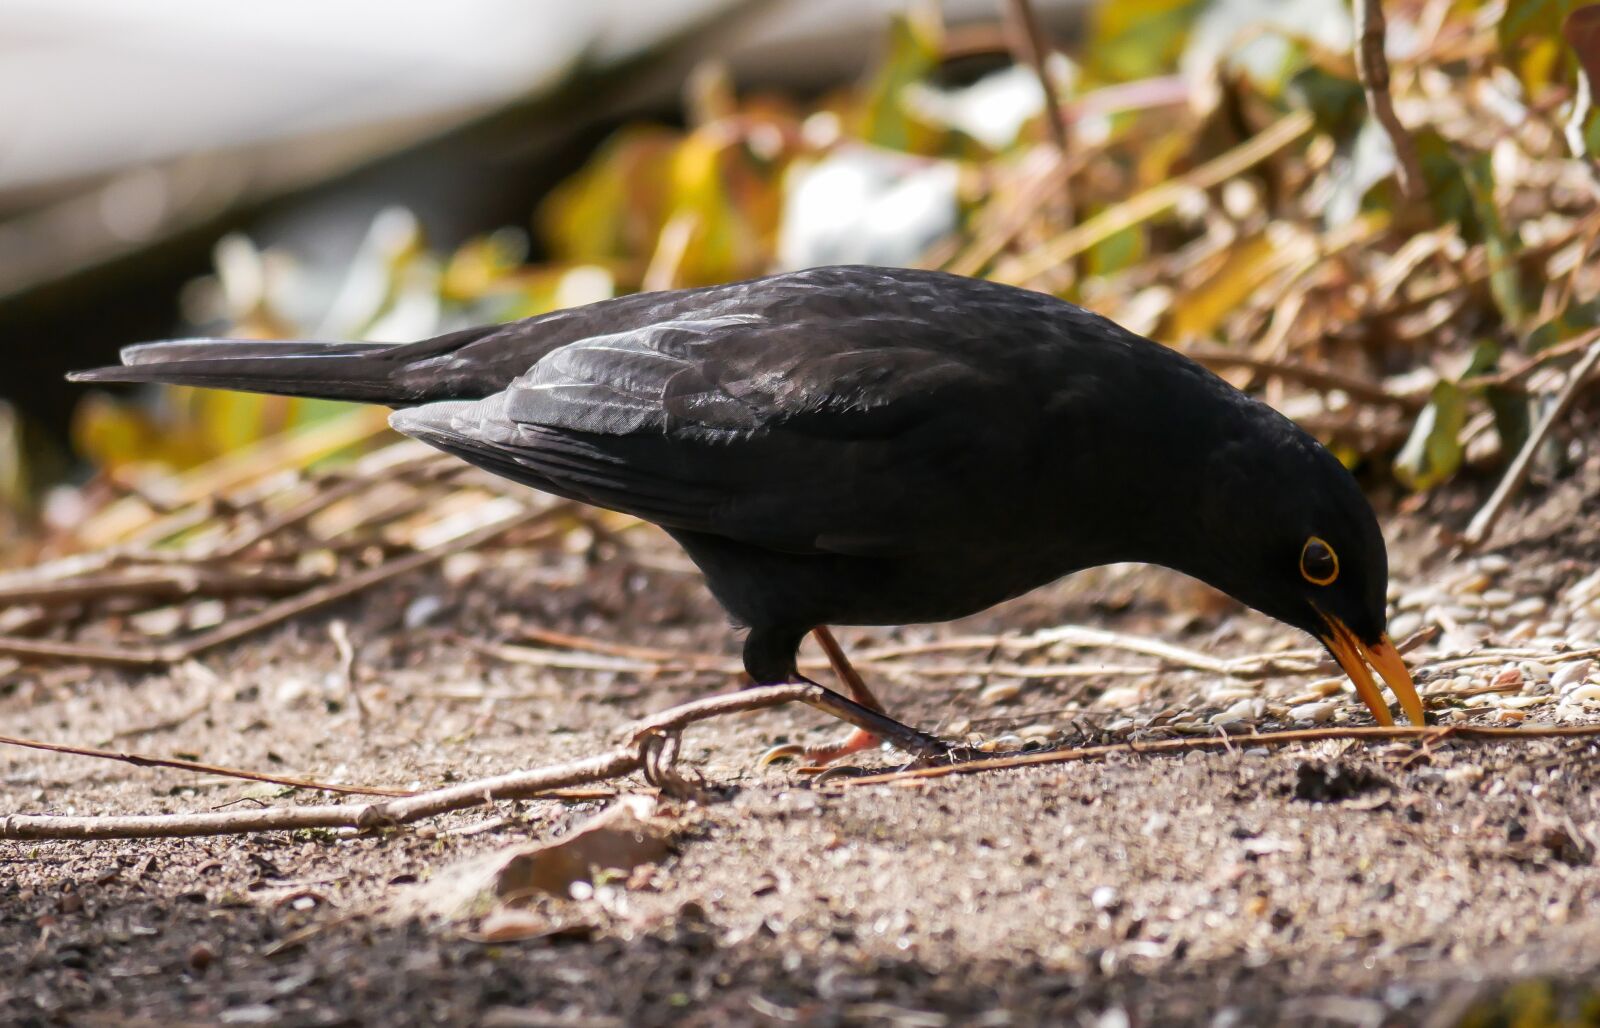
1217,183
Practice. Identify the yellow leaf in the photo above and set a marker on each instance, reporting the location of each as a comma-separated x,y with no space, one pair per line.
1196,313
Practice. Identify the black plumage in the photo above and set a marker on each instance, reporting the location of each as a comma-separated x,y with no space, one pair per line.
859,445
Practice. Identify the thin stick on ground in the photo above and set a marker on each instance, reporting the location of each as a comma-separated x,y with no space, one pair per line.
643,743
143,760
166,583
1372,65
1427,734
1483,522
523,785
277,613
636,753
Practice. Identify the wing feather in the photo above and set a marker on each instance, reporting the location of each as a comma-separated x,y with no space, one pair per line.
827,441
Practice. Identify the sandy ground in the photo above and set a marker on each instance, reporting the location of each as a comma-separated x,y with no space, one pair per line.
1333,883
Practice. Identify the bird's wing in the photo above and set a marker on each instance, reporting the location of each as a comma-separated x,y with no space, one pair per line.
812,435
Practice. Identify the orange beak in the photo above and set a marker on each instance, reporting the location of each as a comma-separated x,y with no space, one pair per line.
1353,655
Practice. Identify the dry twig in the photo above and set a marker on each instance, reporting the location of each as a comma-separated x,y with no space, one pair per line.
1426,734
238,628
1483,522
1023,27
141,760
1158,199
1372,65
647,746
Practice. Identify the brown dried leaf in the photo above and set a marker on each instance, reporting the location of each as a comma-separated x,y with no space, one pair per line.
623,836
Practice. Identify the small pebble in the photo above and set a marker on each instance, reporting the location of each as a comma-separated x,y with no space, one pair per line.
1001,744
1570,676
1104,898
1473,583
1040,731
1499,598
1122,696
1584,591
1509,716
1535,671
1405,623
1494,563
1508,679
1583,694
1521,632
1244,710
1000,692
1316,713
1326,686
1527,607
422,610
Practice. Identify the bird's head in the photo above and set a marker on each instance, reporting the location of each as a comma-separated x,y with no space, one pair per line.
1292,536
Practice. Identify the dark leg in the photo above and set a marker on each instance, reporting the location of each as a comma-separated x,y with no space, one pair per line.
859,740
842,667
863,738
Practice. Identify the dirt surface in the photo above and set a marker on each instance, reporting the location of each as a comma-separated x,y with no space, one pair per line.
1332,883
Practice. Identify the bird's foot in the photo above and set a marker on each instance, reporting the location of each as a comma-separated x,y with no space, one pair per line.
818,757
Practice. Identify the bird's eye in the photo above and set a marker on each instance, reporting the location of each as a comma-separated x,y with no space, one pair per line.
1319,565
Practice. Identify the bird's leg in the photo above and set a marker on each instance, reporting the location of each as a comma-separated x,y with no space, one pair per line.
877,724
858,740
844,669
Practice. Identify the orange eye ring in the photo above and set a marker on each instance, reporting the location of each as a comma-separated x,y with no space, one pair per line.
1319,565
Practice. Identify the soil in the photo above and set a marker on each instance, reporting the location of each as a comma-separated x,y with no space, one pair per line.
1334,883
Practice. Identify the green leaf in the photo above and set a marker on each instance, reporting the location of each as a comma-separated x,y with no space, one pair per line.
1510,407
1536,19
1117,252
1529,34
1505,279
1448,190
1577,318
915,47
1433,451
1137,39
1337,103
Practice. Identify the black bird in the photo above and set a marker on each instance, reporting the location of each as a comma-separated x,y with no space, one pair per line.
874,446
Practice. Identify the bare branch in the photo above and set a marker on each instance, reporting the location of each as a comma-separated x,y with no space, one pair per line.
276,614
641,751
141,760
1028,41
1375,733
1483,522
1372,65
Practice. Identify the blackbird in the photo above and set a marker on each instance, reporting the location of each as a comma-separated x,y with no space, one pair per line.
874,446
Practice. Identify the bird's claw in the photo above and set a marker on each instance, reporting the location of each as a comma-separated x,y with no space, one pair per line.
777,754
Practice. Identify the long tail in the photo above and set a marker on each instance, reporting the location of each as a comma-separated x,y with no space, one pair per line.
384,373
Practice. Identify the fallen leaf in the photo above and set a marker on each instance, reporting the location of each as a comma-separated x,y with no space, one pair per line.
620,838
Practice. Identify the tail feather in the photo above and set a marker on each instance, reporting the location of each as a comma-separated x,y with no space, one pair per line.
361,372
233,349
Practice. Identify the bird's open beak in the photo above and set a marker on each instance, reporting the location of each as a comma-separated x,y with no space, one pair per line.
1353,655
